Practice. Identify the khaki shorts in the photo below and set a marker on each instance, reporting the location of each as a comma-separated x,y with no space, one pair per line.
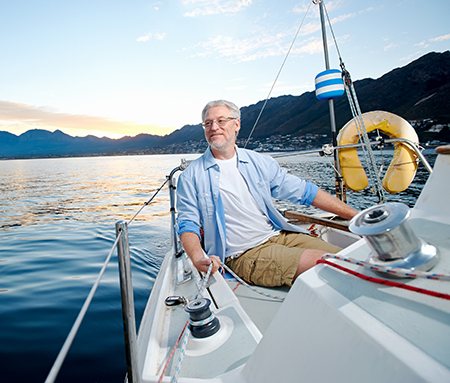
274,262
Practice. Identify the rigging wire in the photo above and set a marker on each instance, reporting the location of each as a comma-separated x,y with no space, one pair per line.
278,75
359,121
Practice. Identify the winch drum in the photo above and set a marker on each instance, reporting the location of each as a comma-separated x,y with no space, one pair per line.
394,244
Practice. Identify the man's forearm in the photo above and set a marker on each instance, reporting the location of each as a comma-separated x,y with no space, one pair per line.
193,248
327,202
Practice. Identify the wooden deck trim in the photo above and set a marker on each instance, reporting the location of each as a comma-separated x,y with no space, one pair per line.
305,218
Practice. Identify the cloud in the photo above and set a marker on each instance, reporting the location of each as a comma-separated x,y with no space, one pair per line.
145,38
148,36
390,46
264,44
314,9
423,44
214,7
256,47
440,38
160,36
241,50
426,44
342,18
310,28
18,118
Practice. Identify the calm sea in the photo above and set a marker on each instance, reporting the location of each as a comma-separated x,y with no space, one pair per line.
57,226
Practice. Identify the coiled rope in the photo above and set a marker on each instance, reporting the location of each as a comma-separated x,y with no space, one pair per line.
186,330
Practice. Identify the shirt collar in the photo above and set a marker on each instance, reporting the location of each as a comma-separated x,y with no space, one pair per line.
210,161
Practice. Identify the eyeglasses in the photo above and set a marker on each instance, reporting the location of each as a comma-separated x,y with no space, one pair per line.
221,122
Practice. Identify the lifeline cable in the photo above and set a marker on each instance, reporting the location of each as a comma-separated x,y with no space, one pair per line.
54,371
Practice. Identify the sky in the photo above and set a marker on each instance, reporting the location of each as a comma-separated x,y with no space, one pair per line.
115,67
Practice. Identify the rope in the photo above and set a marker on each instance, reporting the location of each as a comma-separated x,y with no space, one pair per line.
334,167
357,115
171,354
203,321
186,331
362,132
391,270
276,78
241,281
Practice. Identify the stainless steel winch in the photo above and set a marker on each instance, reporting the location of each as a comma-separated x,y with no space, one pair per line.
393,242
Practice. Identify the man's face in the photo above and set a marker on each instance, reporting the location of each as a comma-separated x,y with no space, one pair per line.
221,137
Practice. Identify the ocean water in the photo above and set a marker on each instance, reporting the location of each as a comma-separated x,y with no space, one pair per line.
57,226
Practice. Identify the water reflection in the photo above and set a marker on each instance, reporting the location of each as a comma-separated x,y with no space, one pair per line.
107,189
82,189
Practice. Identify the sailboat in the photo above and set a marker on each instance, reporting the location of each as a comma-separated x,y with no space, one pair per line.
377,311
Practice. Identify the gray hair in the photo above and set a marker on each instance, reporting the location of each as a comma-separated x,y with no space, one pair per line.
234,110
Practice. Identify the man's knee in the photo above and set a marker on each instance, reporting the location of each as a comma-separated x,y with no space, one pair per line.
308,259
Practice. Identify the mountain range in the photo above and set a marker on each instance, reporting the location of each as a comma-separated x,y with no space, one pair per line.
419,91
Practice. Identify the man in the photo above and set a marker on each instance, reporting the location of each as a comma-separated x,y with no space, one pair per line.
228,192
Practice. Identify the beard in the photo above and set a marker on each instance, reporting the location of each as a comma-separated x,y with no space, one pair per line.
221,145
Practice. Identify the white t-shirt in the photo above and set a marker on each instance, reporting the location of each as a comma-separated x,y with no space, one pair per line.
246,225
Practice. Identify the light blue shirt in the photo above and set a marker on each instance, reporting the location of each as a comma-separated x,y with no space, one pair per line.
199,203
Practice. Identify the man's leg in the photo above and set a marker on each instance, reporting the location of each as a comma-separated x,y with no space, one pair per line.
314,249
281,259
268,264
308,259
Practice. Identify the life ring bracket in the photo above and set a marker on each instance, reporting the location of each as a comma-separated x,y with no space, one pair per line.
403,166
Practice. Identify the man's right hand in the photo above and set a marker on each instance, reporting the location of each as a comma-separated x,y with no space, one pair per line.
202,264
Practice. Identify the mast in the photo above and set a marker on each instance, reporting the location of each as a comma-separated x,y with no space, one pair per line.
339,184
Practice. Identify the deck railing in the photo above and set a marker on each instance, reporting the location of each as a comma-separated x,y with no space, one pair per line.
329,149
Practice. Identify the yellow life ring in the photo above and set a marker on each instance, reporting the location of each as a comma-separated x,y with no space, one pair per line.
404,164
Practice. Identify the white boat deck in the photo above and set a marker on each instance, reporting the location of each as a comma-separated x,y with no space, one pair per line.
333,326
260,309
346,329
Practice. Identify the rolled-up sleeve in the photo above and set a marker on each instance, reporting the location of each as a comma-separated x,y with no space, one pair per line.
286,186
188,219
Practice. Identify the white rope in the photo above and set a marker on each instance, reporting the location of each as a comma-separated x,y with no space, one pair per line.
188,332
391,270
